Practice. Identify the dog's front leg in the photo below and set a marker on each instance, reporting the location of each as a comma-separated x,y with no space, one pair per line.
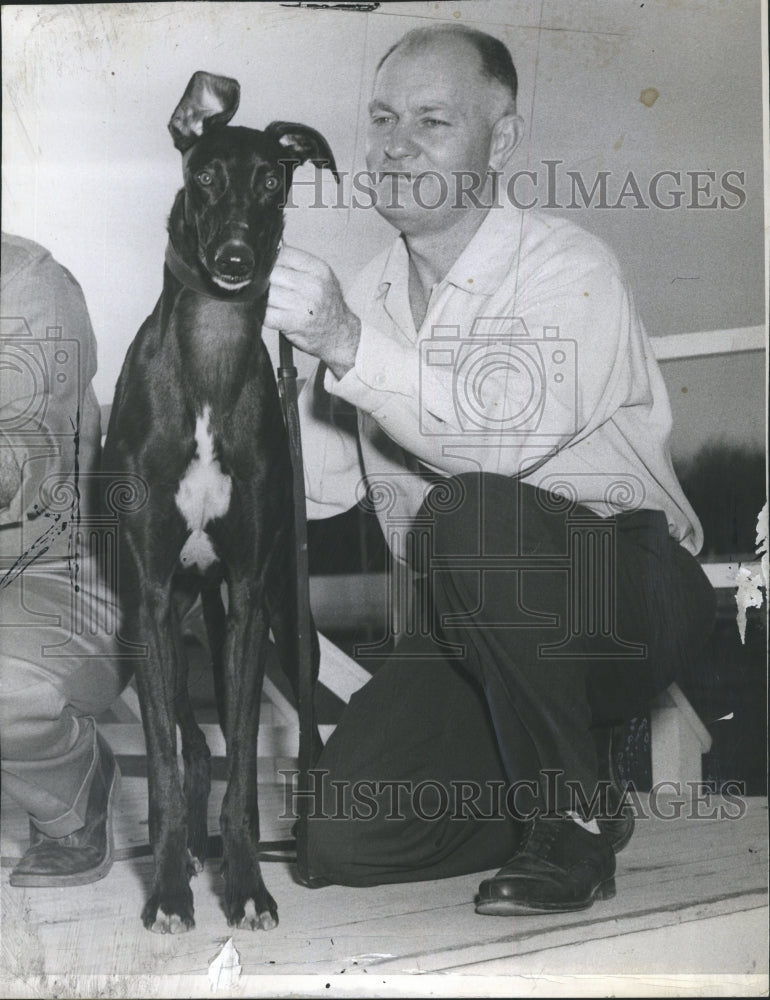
244,660
156,681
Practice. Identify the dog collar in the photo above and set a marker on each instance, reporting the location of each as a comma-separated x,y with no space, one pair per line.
192,279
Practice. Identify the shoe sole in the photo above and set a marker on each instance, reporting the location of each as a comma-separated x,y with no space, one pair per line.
514,907
92,874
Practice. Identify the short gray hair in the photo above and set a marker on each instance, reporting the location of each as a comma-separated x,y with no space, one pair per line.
496,60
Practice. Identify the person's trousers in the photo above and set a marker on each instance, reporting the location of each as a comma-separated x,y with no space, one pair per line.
553,621
58,669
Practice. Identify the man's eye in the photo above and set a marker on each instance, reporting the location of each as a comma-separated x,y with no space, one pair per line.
434,122
382,119
204,178
272,183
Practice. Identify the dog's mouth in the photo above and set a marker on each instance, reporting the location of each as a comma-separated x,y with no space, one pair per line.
230,282
230,272
231,264
234,266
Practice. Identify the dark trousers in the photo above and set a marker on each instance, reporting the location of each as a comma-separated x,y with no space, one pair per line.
553,622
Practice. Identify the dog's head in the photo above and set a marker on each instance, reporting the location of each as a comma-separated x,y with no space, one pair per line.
229,215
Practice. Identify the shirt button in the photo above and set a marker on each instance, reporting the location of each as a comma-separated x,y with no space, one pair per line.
379,378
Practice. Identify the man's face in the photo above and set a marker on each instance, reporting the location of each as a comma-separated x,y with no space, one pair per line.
432,114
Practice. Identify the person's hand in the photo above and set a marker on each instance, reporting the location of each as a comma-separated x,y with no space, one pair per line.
305,303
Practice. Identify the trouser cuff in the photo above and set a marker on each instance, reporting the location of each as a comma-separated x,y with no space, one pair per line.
75,816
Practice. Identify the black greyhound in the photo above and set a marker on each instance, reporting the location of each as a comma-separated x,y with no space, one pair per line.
197,417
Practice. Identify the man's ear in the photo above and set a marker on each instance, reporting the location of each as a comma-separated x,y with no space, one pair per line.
507,133
209,100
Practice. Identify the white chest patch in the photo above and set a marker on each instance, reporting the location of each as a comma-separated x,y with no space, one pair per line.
203,494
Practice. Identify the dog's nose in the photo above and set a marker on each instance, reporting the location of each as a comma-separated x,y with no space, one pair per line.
234,259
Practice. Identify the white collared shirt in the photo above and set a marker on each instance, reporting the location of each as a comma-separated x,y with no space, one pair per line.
531,361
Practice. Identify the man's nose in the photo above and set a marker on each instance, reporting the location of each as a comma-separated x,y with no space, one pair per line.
399,142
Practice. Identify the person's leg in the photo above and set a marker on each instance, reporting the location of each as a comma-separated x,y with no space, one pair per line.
502,617
600,618
410,785
57,675
426,721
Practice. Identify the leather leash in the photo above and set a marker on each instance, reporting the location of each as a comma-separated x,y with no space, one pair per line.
287,389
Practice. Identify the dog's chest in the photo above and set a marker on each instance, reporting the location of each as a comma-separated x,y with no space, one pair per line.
203,495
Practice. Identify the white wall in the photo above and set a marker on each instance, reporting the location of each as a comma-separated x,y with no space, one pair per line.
89,169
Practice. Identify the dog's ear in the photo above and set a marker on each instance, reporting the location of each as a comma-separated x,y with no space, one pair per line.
303,143
209,100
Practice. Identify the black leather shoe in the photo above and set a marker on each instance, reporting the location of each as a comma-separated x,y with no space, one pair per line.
85,855
618,824
560,868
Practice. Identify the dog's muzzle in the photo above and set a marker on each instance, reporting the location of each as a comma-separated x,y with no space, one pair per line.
234,261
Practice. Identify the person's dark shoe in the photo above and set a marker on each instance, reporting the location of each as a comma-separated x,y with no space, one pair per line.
85,855
560,868
618,824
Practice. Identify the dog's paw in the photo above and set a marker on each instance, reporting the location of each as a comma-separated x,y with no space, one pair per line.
176,912
173,924
250,906
252,920
244,887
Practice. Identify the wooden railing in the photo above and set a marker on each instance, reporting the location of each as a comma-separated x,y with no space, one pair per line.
708,342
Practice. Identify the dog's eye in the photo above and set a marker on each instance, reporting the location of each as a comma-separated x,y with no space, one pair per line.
271,182
204,178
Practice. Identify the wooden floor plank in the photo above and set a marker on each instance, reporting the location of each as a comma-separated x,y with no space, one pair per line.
701,946
677,881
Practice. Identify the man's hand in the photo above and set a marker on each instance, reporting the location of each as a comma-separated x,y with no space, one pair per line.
305,302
